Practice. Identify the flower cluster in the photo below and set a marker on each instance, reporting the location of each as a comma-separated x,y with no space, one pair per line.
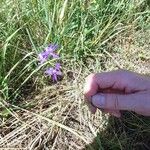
49,52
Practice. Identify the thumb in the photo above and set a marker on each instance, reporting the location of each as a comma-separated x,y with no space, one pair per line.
132,102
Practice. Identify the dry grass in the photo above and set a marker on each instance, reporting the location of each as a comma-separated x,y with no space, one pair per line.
132,52
59,118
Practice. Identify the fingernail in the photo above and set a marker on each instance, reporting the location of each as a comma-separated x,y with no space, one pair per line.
98,100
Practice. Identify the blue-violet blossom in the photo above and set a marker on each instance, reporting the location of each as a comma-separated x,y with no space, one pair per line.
49,51
54,72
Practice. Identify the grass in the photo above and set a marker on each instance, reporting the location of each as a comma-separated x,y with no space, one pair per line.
93,36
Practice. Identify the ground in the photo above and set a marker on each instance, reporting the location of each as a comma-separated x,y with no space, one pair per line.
58,118
93,36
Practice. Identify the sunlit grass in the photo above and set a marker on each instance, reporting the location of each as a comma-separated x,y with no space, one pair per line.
81,28
84,31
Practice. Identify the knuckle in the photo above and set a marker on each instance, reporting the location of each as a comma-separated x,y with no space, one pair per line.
89,77
110,101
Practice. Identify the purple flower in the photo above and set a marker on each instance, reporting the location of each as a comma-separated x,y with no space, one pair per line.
54,72
49,51
43,56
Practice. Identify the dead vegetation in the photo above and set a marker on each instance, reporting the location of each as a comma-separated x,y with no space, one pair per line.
58,118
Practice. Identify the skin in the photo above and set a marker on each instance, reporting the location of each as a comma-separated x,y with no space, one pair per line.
118,90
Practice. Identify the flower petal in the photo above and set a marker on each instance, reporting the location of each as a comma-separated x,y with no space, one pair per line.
43,56
59,73
51,48
54,55
54,77
49,71
57,66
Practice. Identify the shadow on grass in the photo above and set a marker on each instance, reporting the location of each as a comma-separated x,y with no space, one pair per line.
130,132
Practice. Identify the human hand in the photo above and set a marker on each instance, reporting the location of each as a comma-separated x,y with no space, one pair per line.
118,90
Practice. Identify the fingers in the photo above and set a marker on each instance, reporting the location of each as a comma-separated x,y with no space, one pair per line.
102,81
139,102
121,80
114,80
90,89
91,86
121,91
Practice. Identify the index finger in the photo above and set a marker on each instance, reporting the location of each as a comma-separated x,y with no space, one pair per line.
102,81
90,89
113,81
91,86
